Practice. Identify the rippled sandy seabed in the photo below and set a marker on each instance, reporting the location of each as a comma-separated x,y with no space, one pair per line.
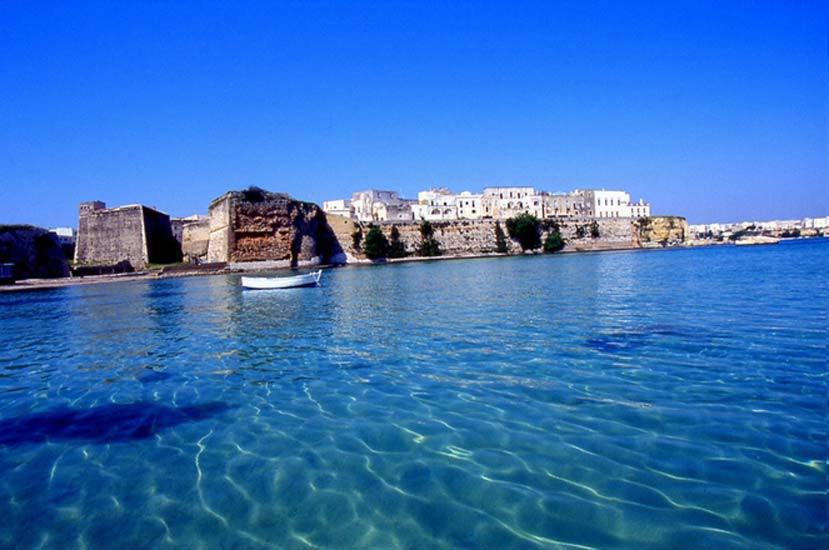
664,399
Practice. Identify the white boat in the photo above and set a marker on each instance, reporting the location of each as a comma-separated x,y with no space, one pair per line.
308,279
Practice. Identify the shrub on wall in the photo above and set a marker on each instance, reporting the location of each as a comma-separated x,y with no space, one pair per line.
396,248
525,228
429,246
594,229
377,246
500,240
357,238
553,242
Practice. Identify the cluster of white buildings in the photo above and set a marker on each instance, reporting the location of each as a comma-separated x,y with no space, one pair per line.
771,225
439,204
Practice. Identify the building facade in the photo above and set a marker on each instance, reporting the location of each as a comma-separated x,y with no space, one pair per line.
371,205
602,203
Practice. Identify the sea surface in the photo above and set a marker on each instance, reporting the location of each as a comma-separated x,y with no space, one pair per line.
612,400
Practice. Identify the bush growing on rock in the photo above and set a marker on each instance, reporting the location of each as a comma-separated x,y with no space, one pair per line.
429,246
377,246
594,229
553,242
357,238
396,247
500,240
525,228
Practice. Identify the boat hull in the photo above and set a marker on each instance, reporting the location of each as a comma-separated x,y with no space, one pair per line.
270,283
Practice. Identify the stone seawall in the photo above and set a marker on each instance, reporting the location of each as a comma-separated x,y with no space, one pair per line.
257,229
469,237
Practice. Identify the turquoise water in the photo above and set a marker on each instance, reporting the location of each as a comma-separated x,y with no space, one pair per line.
663,399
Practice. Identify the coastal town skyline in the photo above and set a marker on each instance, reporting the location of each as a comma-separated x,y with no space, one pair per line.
710,112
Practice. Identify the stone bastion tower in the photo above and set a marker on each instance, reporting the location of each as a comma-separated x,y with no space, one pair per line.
134,233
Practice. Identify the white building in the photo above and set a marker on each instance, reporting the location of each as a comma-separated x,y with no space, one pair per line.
66,235
470,206
371,205
509,201
435,205
602,203
339,207
564,204
815,223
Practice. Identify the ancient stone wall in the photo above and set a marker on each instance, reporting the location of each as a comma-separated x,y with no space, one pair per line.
260,226
162,246
195,239
34,251
660,231
264,229
109,236
465,237
134,233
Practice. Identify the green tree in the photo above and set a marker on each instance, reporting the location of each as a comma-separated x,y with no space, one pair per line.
500,240
594,229
357,238
377,246
429,246
553,242
524,228
396,247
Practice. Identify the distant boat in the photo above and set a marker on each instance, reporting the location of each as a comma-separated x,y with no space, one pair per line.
260,283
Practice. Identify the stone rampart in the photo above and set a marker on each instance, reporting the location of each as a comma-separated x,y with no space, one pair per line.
470,237
195,239
661,231
134,233
260,226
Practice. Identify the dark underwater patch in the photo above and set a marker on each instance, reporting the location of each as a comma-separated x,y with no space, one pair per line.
102,424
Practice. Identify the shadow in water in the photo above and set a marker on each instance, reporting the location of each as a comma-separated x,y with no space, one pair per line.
154,376
622,341
102,424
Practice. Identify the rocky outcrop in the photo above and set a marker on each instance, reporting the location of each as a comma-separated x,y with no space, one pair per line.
660,231
259,226
34,251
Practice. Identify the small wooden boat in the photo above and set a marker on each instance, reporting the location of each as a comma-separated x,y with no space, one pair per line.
259,283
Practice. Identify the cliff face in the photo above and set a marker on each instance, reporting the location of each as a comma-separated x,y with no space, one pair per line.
257,226
660,231
35,252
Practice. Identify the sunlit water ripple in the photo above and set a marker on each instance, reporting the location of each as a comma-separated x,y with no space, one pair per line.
664,399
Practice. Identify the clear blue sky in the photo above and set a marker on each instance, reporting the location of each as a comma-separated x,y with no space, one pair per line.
712,110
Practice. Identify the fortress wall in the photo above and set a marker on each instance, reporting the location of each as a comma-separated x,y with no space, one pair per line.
162,246
220,238
469,237
109,236
260,226
195,239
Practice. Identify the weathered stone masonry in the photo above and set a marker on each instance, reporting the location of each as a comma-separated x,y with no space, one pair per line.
260,226
135,233
469,237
